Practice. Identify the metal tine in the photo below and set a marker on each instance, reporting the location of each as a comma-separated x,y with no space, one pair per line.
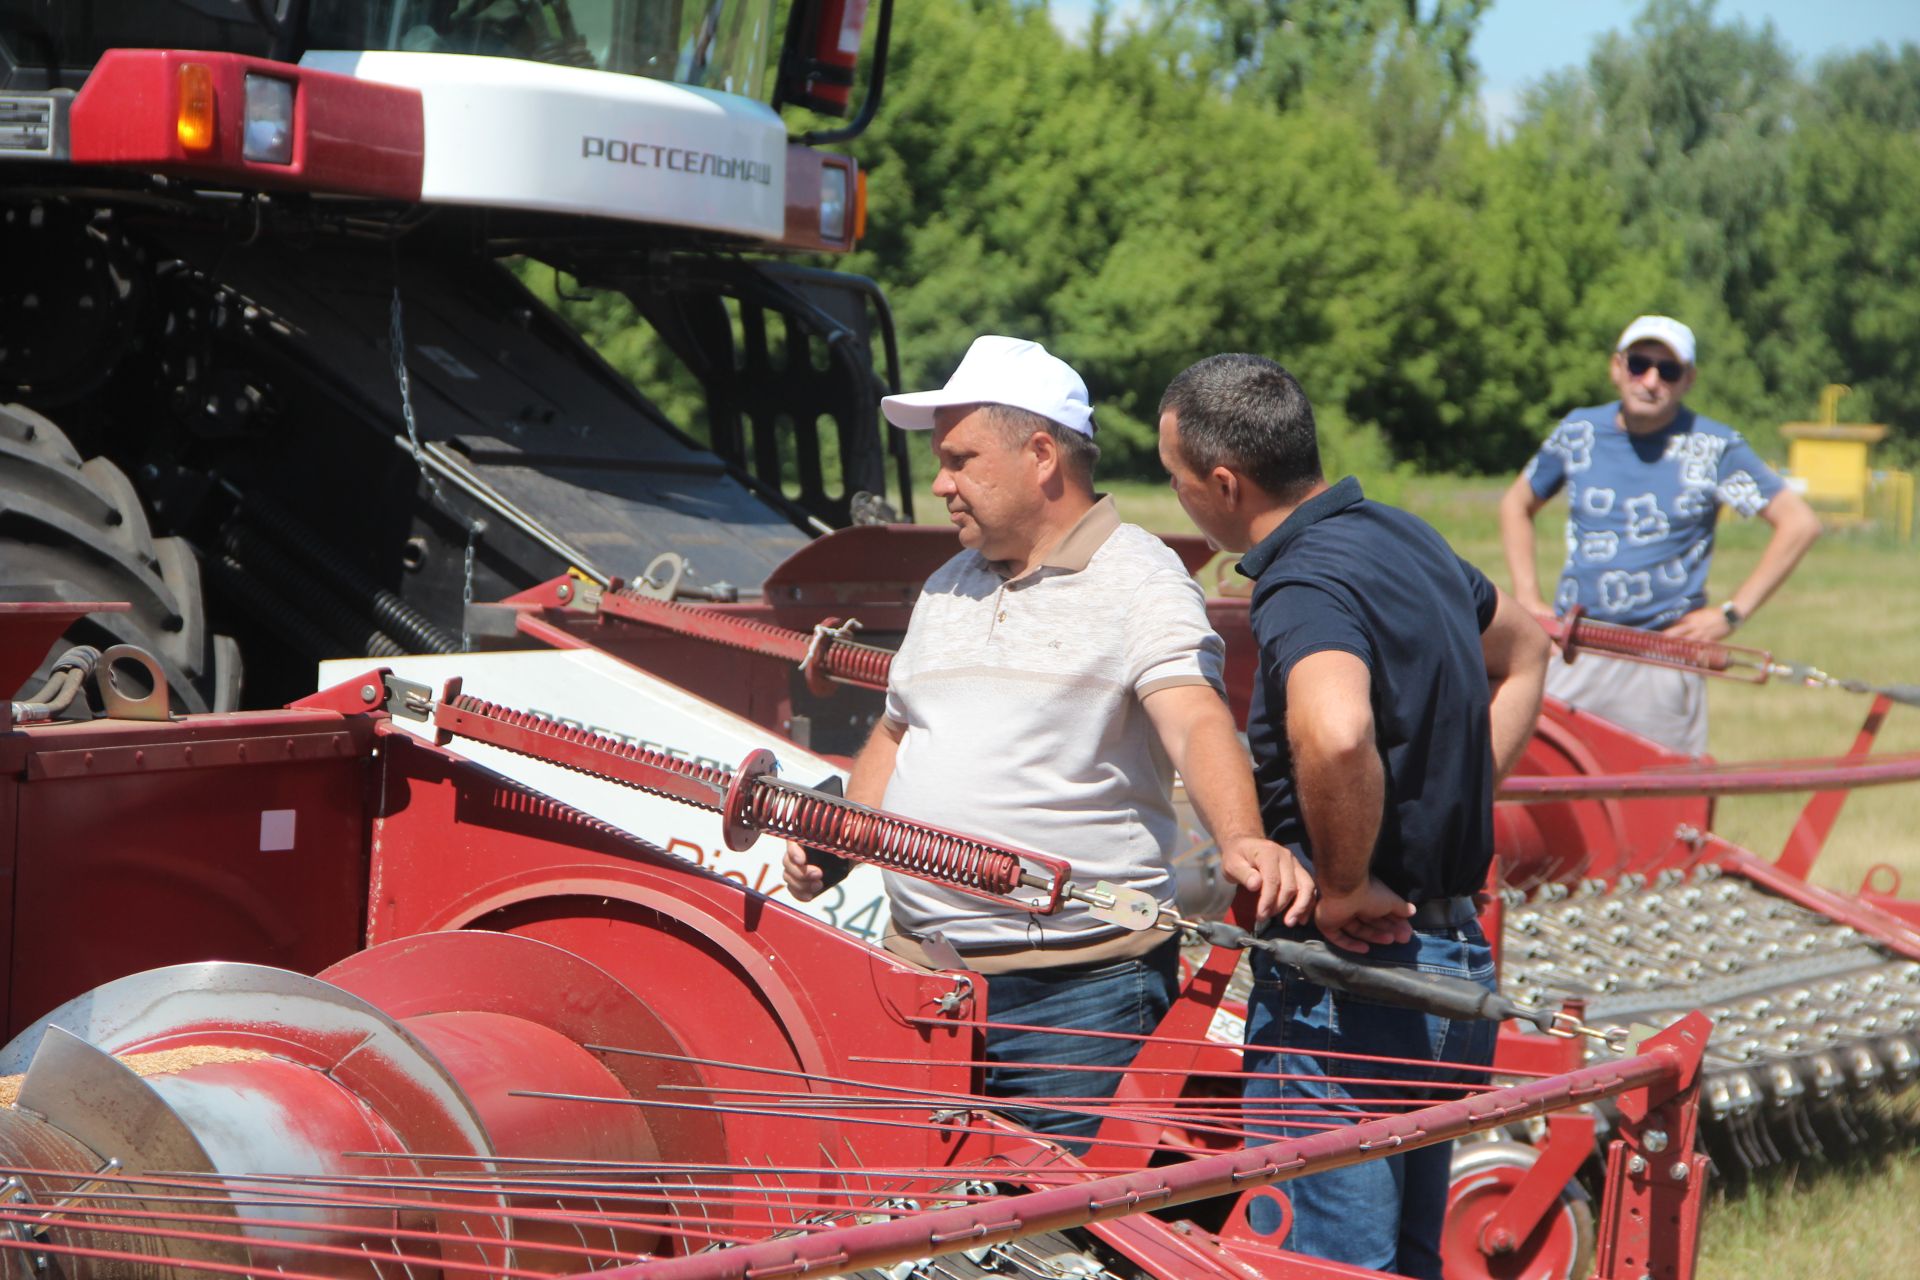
923,1126
572,1220
1199,1042
1149,1106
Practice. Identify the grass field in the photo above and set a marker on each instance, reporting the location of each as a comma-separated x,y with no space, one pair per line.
1852,609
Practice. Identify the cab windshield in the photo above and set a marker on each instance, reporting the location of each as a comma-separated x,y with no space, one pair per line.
718,44
715,44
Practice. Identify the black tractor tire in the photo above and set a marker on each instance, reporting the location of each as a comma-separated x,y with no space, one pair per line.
75,530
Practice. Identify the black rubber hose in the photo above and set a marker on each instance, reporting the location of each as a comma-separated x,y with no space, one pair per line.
62,685
1381,984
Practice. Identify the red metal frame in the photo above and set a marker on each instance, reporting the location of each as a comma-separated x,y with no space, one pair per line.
1890,930
1816,821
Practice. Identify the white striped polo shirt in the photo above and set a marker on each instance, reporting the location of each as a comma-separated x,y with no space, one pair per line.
1021,705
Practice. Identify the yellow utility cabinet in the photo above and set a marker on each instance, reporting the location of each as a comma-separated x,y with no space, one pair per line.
1831,459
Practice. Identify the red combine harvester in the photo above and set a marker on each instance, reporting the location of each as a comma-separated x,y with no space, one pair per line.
563,1049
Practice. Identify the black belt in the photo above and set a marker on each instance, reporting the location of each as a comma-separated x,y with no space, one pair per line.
1445,913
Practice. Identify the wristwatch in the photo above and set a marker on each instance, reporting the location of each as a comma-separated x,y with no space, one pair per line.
1732,615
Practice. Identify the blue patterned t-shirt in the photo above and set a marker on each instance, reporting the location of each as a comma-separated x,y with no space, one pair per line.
1641,509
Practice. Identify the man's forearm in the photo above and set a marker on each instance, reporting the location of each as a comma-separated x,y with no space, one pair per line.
1219,780
1517,653
1513,712
1790,540
873,767
1341,799
1517,540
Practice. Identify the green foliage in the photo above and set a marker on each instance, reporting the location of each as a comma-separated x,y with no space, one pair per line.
1311,180
624,340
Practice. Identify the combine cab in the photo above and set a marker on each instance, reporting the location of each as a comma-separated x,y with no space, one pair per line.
268,367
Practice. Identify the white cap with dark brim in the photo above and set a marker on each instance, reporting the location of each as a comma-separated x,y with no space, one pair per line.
1009,371
1665,330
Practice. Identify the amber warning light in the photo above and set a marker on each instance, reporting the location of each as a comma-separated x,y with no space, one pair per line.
194,124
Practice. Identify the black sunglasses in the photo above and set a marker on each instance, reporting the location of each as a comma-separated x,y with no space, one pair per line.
1670,370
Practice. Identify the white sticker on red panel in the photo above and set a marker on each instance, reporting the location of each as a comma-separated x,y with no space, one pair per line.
276,830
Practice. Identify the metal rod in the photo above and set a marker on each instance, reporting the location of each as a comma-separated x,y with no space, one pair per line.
1197,1042
306,1197
925,1126
1757,778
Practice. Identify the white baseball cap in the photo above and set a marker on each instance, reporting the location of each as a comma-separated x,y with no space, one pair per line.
996,370
1665,330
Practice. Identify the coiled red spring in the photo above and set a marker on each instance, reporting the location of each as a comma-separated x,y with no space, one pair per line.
853,663
591,744
855,831
752,803
1653,646
841,659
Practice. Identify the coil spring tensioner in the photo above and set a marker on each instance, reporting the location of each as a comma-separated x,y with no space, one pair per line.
752,803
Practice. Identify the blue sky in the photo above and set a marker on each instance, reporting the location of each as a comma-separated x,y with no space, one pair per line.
1521,40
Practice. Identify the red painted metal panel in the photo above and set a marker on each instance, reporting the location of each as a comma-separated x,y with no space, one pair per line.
350,137
123,866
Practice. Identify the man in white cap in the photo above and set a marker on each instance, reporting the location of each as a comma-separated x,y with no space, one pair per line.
1055,674
1645,478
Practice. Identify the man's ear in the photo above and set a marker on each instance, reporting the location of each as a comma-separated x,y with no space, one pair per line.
1226,484
1046,454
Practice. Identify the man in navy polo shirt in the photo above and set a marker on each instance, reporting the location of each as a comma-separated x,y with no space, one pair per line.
1396,686
1646,478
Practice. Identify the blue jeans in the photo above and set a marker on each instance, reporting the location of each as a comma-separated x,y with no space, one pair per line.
1125,995
1385,1214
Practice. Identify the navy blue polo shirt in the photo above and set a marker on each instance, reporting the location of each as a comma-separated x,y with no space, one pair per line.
1342,573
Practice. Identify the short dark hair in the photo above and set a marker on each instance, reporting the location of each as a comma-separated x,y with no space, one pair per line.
1246,413
1018,425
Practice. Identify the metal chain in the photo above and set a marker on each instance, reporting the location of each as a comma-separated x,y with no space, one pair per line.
466,590
397,348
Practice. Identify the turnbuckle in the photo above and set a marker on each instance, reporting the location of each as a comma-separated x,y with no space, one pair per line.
1567,1025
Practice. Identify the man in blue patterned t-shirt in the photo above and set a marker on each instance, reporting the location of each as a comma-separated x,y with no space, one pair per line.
1645,478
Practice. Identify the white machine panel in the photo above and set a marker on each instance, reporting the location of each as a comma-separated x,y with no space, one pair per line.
591,690
512,134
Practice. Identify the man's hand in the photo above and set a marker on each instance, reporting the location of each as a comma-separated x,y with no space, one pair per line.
1708,624
1273,875
1372,914
804,880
